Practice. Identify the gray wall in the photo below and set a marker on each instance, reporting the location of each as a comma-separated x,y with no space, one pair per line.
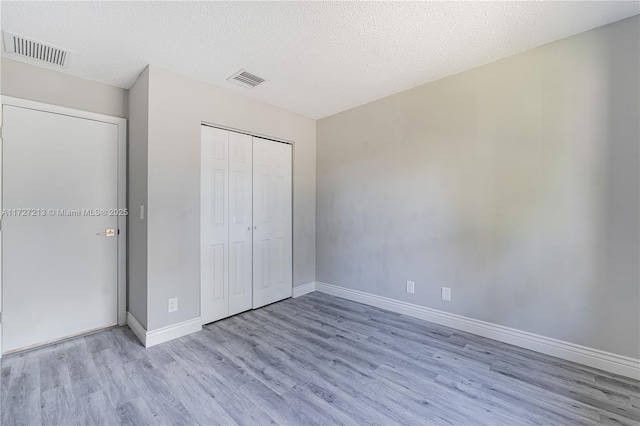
137,163
177,107
26,81
516,184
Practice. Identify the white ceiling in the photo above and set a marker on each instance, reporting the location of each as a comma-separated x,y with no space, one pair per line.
318,58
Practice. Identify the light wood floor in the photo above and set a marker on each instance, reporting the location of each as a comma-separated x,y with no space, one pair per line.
312,360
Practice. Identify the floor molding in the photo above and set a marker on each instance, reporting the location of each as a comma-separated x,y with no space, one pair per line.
303,289
164,334
137,328
619,364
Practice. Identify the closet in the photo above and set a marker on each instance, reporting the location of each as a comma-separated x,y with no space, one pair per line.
245,222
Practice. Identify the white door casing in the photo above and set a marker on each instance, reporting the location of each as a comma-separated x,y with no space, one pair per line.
59,277
214,224
240,222
272,215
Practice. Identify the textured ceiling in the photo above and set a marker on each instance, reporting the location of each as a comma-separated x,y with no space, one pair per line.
318,58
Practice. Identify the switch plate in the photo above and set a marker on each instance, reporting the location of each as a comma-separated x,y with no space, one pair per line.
173,304
410,287
446,294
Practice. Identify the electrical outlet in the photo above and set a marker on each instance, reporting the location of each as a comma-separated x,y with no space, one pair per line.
410,286
446,294
173,304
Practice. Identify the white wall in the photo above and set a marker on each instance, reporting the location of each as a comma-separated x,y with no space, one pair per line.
516,184
177,107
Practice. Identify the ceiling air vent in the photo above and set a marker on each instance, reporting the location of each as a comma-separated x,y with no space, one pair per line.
246,79
37,50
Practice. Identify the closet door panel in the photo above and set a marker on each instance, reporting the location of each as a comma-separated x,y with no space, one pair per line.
214,224
272,235
240,225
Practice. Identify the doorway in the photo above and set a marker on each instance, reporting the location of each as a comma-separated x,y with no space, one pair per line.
63,223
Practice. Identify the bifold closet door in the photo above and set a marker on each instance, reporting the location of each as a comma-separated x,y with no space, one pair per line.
272,231
240,217
214,224
245,223
225,223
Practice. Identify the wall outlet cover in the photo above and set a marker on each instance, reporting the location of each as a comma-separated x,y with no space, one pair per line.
410,287
173,304
446,294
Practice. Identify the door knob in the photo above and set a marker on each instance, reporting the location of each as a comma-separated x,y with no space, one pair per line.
255,227
248,228
107,233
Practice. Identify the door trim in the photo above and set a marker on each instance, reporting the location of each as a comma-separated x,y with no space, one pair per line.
121,189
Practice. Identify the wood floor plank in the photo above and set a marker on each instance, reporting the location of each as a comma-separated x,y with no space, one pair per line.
323,412
240,407
325,383
22,395
114,378
274,405
493,380
256,363
608,418
54,369
314,360
188,391
136,412
58,407
311,339
577,382
97,409
520,408
5,375
590,396
147,377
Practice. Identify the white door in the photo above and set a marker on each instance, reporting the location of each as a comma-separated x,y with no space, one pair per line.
240,222
59,276
272,233
214,224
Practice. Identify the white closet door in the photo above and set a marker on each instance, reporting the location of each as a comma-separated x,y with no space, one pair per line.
240,222
214,224
272,234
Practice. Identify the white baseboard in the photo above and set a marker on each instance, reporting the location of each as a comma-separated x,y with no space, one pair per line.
303,289
619,364
137,328
164,334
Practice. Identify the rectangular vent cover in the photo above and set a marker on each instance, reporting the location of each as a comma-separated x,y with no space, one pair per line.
36,50
246,79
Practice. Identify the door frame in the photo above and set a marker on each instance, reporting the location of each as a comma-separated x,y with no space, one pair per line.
121,190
